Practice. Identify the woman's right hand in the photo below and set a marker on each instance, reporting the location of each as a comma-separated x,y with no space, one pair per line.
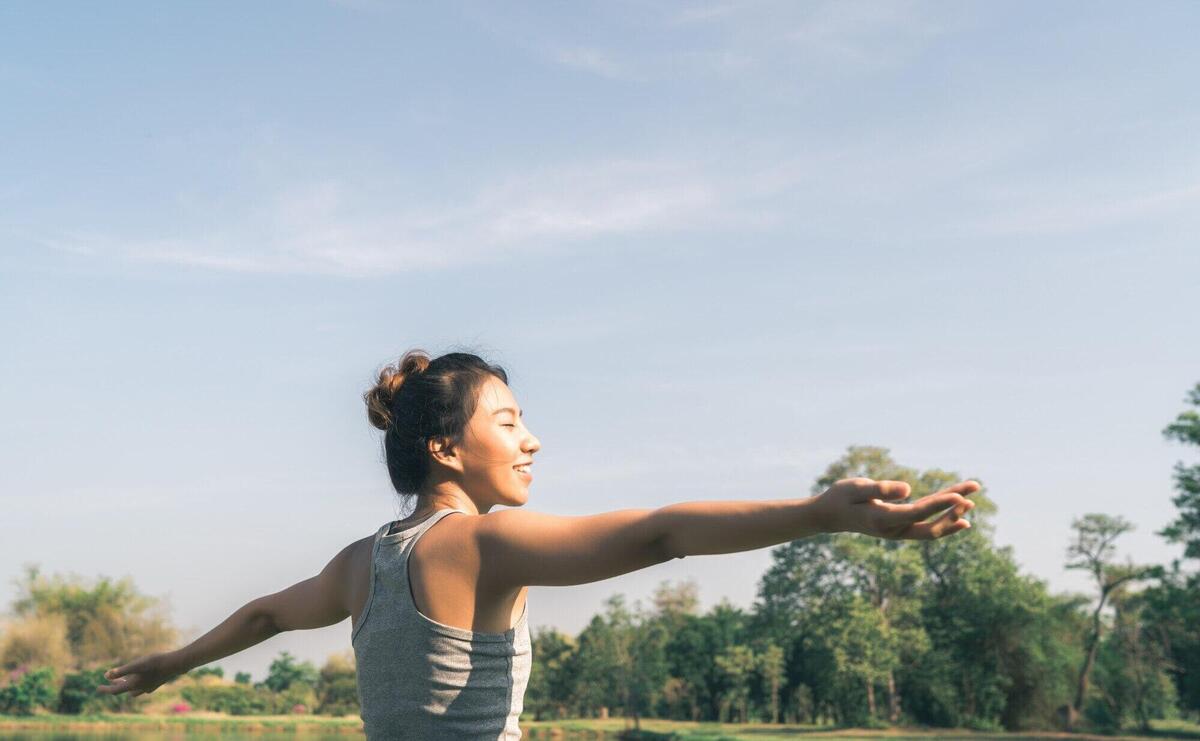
141,676
876,508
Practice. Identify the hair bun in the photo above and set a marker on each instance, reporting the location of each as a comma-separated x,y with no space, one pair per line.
380,398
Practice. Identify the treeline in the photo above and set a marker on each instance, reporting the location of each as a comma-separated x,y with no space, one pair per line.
65,632
860,631
846,630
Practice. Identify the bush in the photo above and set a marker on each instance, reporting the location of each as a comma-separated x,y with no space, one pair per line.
207,671
337,687
78,695
235,699
29,690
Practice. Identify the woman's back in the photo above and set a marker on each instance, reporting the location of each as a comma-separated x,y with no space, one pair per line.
421,678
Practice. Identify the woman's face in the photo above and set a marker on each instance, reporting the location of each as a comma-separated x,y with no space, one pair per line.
495,443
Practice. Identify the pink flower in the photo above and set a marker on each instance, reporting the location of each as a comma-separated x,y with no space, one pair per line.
299,709
181,707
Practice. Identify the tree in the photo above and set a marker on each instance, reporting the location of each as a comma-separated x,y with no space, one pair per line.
550,682
36,640
106,620
286,672
1093,551
1130,672
737,663
1185,528
600,660
770,668
1173,603
337,686
888,573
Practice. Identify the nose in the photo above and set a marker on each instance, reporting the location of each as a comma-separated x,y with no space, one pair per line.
532,444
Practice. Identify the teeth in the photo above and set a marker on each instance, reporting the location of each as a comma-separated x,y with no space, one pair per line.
522,469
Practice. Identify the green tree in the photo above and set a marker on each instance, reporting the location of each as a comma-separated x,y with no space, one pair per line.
737,663
285,672
207,671
888,573
1185,529
105,620
1173,602
337,686
771,670
600,661
690,649
1131,679
1002,649
551,685
1094,551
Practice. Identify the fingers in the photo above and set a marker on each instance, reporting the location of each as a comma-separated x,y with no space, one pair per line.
965,488
116,686
864,489
948,524
928,506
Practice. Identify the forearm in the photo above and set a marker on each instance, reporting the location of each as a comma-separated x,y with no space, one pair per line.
249,625
704,528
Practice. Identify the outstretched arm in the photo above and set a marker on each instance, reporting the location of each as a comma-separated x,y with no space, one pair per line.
517,548
313,603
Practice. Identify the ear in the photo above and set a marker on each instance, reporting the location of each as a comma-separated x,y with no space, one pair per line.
442,451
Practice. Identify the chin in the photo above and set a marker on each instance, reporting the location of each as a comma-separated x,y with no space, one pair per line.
518,500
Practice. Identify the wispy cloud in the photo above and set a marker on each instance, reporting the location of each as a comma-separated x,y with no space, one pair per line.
768,39
595,61
326,227
1075,209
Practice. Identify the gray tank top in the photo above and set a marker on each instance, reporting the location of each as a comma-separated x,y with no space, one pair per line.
421,679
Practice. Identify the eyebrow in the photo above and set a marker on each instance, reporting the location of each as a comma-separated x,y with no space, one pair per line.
508,409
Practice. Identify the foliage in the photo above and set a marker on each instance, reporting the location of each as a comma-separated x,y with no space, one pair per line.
337,686
1185,529
285,672
235,699
548,694
78,695
36,640
29,690
207,671
105,620
242,678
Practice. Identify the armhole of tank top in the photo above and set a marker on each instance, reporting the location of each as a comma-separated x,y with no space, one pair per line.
408,561
362,618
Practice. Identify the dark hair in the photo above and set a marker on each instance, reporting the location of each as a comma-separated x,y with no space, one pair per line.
419,399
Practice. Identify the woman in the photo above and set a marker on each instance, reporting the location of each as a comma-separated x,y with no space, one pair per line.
437,602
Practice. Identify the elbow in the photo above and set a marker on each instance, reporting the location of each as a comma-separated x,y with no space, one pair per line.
666,549
262,619
665,545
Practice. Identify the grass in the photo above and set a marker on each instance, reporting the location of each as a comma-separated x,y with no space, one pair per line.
197,722
684,731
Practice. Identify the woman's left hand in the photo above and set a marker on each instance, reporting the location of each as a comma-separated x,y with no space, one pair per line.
141,676
879,509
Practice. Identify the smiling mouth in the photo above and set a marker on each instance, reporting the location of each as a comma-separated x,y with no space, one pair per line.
523,469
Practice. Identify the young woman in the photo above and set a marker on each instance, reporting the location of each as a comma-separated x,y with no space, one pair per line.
437,602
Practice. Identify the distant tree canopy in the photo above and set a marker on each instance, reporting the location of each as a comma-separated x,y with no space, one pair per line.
69,623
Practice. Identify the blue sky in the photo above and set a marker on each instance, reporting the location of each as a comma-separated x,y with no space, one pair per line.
713,243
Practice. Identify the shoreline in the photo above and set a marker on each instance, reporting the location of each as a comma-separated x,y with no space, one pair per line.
201,722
